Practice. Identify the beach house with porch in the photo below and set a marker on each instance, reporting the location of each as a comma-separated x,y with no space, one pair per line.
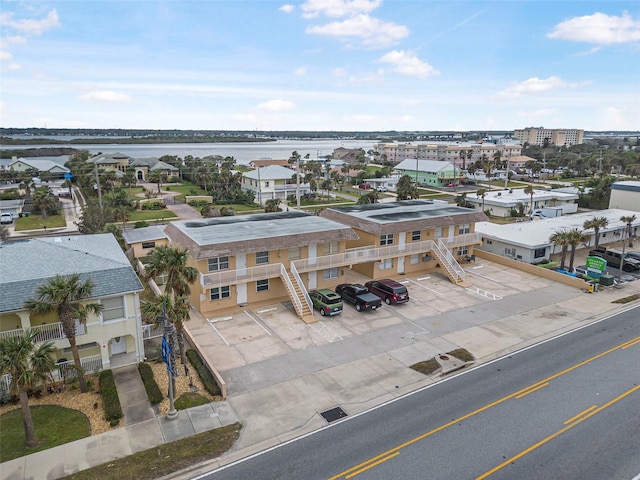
112,338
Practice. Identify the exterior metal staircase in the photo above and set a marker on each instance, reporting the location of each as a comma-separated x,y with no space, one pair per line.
454,271
298,294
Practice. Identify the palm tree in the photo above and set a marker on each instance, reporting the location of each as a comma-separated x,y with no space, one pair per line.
66,296
172,261
561,238
157,176
529,190
26,363
596,223
272,205
629,219
128,179
574,238
122,214
481,193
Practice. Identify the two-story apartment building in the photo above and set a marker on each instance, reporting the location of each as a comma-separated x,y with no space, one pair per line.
407,237
112,338
251,259
431,173
501,203
272,182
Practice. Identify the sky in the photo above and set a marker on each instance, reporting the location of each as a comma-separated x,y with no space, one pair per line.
320,65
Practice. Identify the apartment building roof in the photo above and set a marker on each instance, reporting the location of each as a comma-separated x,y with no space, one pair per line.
405,216
27,264
145,234
511,197
629,185
221,236
428,166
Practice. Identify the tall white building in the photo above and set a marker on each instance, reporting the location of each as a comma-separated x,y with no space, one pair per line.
549,136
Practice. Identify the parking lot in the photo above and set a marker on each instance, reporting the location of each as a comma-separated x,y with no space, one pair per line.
255,335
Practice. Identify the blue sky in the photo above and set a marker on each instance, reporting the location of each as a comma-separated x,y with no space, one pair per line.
320,65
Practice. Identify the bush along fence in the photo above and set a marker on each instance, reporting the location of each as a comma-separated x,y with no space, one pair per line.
207,378
112,408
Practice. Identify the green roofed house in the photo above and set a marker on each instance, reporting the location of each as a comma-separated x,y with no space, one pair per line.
112,338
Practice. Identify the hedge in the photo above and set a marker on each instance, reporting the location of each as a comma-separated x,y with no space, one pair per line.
112,408
205,375
150,385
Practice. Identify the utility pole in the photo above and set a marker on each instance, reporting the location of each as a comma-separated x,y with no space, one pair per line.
298,181
98,188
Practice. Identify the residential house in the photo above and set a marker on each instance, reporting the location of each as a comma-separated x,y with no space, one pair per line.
430,173
530,241
501,203
144,166
141,242
261,258
273,182
410,236
48,167
112,338
14,207
348,155
117,161
625,195
265,162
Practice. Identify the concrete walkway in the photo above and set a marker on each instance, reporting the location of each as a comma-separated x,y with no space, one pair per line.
132,394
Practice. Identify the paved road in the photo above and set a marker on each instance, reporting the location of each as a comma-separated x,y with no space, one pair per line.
568,408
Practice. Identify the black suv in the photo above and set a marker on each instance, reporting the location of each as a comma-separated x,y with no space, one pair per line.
389,290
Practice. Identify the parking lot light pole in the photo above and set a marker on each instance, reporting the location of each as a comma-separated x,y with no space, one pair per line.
624,243
169,330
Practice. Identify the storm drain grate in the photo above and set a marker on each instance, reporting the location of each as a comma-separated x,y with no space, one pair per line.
333,414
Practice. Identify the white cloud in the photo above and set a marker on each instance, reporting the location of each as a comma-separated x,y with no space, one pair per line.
339,72
370,31
300,71
338,8
30,27
621,118
106,96
591,51
535,85
287,8
276,105
599,28
407,63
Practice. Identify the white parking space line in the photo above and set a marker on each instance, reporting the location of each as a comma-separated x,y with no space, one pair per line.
426,288
252,317
501,270
216,330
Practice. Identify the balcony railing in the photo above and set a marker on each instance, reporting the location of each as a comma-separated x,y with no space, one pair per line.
150,331
44,333
241,275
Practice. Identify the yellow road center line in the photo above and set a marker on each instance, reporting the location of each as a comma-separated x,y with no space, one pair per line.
631,343
558,433
584,412
531,390
481,409
371,465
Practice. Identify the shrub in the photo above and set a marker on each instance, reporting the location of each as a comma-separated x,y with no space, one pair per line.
150,385
205,375
140,224
112,408
190,399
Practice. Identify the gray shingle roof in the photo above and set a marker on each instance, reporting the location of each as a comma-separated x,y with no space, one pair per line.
26,264
145,234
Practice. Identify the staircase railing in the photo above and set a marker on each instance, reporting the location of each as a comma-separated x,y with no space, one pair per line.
296,275
294,297
448,261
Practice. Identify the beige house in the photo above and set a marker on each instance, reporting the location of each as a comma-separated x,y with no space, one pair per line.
261,259
112,338
408,237
141,242
112,161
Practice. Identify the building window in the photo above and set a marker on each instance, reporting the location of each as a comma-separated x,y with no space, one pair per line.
386,264
437,232
416,236
220,293
262,257
112,308
294,253
511,252
330,248
148,245
266,184
330,273
462,229
218,263
539,252
415,259
463,251
386,239
262,285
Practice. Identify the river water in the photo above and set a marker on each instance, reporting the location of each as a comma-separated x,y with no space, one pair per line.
242,152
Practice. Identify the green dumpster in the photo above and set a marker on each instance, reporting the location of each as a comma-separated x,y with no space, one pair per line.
606,280
26,214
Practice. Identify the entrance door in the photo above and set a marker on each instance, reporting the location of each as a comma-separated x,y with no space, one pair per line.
118,345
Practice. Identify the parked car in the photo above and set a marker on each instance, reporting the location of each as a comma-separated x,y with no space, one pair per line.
6,218
614,259
632,254
326,301
388,290
358,296
364,186
381,188
451,184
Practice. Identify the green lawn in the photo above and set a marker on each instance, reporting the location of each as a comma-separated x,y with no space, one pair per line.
185,189
54,426
36,222
140,215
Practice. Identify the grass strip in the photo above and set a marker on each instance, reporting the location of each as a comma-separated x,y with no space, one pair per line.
628,299
167,458
428,367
